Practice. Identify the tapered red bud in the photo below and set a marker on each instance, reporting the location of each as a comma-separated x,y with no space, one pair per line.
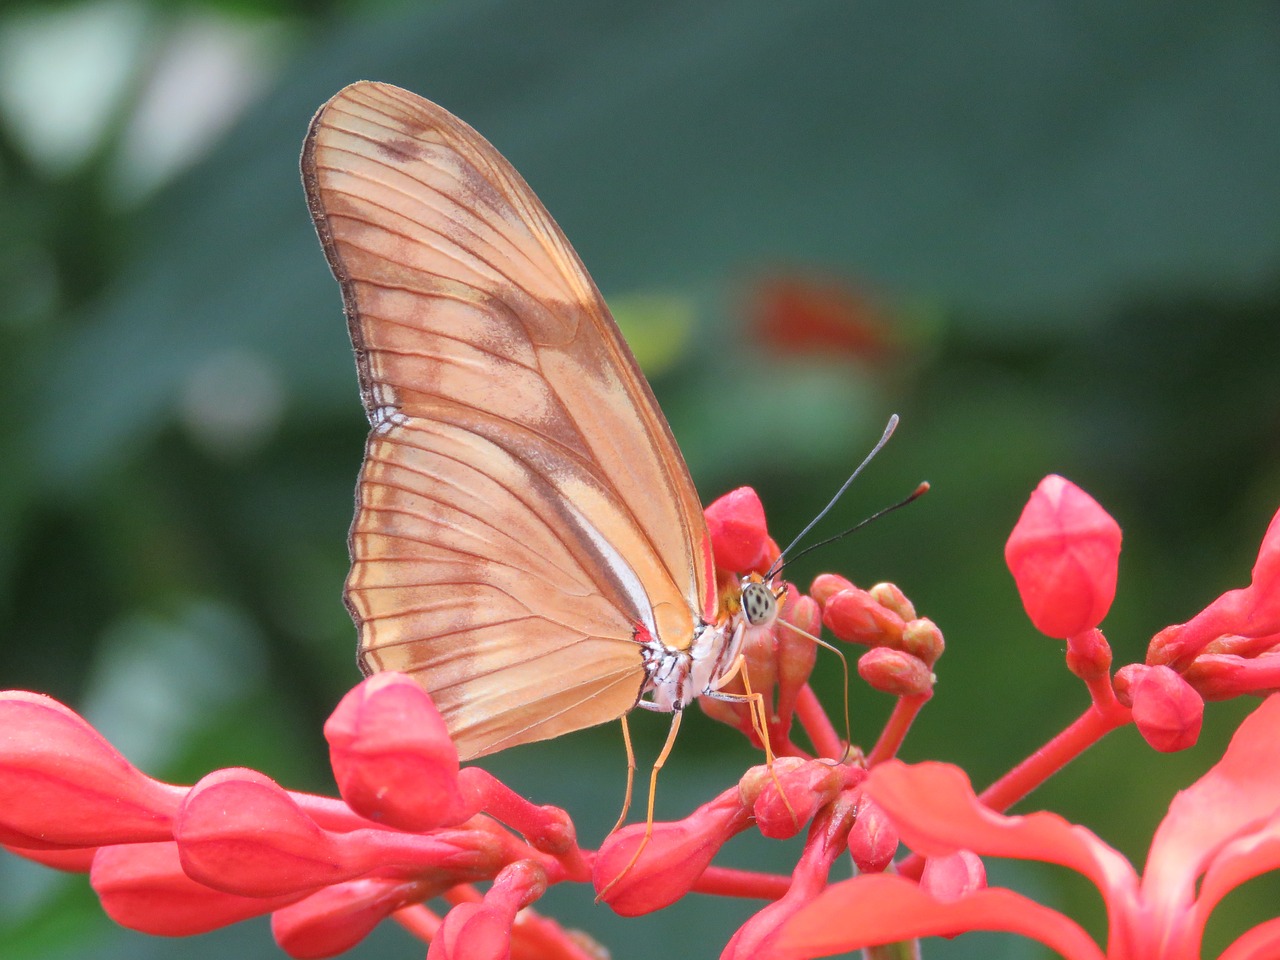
63,784
1166,710
240,832
827,585
923,640
482,931
855,616
739,536
797,654
392,755
1089,655
1252,611
671,862
70,859
1220,676
888,595
1064,553
873,839
784,798
335,918
895,672
142,886
954,876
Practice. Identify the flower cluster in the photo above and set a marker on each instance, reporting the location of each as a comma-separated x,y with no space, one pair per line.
412,827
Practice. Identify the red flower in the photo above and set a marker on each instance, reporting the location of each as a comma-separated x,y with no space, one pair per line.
739,537
1063,554
1249,613
1218,833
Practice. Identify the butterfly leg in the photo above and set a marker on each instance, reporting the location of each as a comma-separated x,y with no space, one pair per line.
759,719
631,773
676,716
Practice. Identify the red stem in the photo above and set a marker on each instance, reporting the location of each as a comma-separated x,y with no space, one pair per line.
826,741
419,921
895,730
727,882
1094,724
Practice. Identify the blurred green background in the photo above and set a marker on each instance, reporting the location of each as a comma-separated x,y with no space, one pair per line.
1048,235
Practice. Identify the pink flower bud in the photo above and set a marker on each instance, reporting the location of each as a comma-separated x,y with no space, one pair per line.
482,931
827,585
1166,710
797,654
890,596
1252,611
335,918
670,863
855,616
1063,554
806,786
392,756
1089,655
923,640
739,536
142,886
69,859
240,832
895,672
63,784
954,876
873,839
1221,676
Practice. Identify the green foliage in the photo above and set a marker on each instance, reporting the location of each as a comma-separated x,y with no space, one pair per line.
1065,217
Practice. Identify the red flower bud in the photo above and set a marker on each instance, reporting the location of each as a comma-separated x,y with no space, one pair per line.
895,672
1220,676
873,839
1166,710
954,876
334,919
739,536
63,784
482,931
1089,655
392,756
797,654
806,785
241,833
890,596
1063,554
670,863
827,585
1252,611
142,886
70,859
923,640
855,616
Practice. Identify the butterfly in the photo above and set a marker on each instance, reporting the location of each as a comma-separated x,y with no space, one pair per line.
527,543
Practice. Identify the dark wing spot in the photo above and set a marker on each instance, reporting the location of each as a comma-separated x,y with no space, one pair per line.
401,151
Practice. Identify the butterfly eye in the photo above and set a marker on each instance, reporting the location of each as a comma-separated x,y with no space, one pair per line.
759,605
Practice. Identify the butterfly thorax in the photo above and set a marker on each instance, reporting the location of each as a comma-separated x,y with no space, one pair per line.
676,677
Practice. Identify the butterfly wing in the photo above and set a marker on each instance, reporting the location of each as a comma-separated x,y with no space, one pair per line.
523,508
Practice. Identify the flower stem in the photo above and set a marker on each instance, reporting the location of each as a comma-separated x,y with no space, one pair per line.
818,726
1095,723
895,730
727,882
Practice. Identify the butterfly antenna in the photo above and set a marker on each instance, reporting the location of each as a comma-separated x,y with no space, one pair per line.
782,557
915,494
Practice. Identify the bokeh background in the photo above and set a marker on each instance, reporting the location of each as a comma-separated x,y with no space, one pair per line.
1048,235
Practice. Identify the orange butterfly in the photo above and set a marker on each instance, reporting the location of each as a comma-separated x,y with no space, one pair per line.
527,541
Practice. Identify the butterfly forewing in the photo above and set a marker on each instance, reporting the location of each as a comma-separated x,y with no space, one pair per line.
522,506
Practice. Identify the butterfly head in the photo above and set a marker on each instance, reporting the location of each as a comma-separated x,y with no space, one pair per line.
761,600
